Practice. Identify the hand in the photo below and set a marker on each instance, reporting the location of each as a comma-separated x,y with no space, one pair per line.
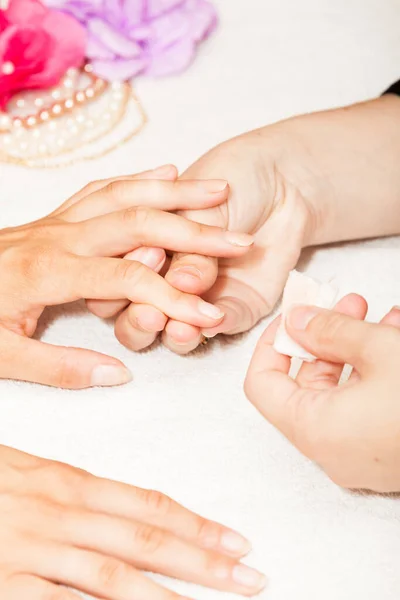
62,526
66,256
351,430
291,186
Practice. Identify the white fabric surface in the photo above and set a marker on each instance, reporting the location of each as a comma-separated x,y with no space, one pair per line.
183,425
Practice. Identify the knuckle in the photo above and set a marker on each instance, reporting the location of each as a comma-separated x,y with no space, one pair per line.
66,483
133,273
117,189
327,327
157,502
113,574
150,539
139,214
65,372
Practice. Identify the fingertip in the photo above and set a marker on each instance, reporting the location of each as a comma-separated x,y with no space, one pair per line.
392,318
182,333
353,305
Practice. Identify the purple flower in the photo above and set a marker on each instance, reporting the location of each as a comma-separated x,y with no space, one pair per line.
127,37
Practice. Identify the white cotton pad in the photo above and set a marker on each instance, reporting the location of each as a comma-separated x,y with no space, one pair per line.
302,290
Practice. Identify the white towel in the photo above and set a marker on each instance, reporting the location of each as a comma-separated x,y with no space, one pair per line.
183,425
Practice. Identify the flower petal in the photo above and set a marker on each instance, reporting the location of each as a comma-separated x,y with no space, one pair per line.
171,60
156,8
113,39
119,70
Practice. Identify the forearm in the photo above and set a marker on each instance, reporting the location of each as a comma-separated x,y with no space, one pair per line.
348,169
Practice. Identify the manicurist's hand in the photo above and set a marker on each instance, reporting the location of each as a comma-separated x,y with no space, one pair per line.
75,253
60,526
351,430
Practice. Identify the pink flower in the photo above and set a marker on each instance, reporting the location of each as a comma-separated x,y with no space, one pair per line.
37,46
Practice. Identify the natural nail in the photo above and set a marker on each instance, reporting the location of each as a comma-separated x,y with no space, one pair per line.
151,257
235,543
248,578
108,375
191,271
212,185
209,310
300,317
163,170
239,239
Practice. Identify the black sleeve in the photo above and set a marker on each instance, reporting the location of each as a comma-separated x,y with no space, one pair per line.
394,89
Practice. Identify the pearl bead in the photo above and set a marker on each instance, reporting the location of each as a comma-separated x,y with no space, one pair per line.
69,103
56,94
88,68
56,110
80,118
44,115
17,123
20,103
80,97
31,121
68,83
5,122
8,68
89,93
38,102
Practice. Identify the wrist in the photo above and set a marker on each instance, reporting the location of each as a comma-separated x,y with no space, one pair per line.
344,167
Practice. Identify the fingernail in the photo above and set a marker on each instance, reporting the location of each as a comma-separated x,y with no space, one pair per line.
209,334
212,185
235,543
300,317
239,239
108,375
151,257
248,578
191,271
209,310
163,170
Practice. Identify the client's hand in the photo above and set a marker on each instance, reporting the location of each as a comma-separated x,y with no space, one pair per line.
73,253
62,526
309,180
350,430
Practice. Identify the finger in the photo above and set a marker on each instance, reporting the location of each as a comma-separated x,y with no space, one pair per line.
153,549
181,338
339,338
267,384
138,326
25,359
124,231
112,279
297,413
93,574
154,258
195,274
322,374
392,318
165,172
153,193
155,508
22,587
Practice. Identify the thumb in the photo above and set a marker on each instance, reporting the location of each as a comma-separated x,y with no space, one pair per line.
25,359
339,338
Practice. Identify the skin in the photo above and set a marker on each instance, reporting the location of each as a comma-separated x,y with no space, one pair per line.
60,526
351,430
310,180
76,253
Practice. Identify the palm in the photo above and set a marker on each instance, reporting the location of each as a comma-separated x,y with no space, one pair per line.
263,204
